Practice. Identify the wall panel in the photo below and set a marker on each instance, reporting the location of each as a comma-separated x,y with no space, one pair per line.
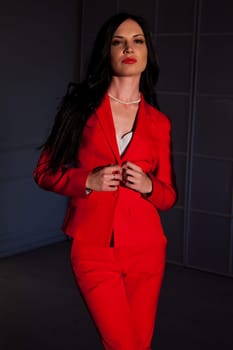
209,242
212,184
176,107
176,47
29,217
214,125
38,59
139,8
173,223
171,17
216,17
175,53
215,72
211,181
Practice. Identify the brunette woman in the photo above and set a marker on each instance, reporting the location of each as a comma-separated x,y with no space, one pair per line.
109,152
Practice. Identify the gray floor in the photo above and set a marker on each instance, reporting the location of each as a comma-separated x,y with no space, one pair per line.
41,308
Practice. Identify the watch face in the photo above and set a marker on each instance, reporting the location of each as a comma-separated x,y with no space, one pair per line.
88,191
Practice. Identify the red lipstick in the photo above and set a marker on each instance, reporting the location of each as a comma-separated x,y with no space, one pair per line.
129,60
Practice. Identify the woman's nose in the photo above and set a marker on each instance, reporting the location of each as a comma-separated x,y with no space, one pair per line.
128,48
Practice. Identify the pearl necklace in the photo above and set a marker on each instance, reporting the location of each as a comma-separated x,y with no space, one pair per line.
124,102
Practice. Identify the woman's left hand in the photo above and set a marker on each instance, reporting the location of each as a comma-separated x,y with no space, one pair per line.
135,178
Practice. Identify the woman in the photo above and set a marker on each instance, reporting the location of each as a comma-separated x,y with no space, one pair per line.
109,151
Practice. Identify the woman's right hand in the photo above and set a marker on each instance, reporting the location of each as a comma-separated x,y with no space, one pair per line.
104,179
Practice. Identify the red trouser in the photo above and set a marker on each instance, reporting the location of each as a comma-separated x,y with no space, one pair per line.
121,288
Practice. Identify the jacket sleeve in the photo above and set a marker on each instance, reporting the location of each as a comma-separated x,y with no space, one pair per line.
163,195
66,181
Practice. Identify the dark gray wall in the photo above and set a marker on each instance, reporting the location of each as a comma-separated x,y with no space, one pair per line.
38,58
194,40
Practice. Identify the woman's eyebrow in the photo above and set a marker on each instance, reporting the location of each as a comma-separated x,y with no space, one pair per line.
121,36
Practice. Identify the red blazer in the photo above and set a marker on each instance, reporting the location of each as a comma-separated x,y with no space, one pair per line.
132,216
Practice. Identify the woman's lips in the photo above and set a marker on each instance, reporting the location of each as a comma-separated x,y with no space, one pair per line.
129,60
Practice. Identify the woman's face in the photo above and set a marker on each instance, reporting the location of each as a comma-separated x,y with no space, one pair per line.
128,50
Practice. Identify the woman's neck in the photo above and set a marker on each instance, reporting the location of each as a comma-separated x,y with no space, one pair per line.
124,88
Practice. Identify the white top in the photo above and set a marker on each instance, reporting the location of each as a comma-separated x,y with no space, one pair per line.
124,141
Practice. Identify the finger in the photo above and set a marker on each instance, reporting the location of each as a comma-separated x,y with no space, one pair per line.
110,188
114,178
130,172
114,183
111,185
128,175
111,180
131,185
134,174
116,172
130,165
130,180
112,169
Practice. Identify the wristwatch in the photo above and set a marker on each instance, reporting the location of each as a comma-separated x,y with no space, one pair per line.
88,191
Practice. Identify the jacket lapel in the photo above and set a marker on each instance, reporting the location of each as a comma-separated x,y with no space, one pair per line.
140,131
104,115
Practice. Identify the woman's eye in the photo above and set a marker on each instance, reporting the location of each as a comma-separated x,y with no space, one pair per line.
116,42
139,41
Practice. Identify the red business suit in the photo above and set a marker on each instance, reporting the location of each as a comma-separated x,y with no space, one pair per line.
139,241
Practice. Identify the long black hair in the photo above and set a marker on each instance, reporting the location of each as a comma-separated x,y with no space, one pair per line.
82,99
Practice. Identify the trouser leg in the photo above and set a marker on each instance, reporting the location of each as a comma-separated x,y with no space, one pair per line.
100,280
120,287
144,273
